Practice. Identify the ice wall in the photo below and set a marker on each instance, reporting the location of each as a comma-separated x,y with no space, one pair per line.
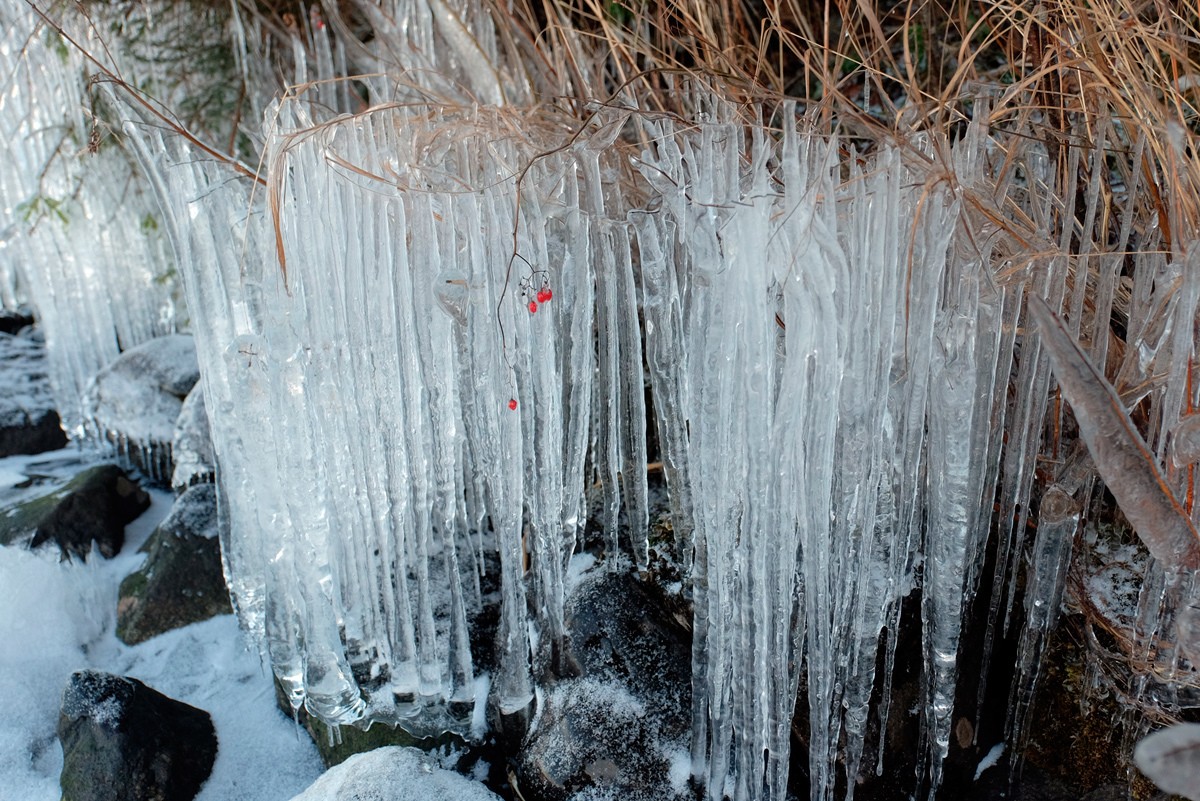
399,409
834,399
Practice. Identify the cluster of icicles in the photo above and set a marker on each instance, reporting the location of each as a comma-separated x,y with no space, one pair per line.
827,351
80,242
828,342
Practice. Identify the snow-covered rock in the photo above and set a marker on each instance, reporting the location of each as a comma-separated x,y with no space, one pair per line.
393,774
135,401
192,443
621,727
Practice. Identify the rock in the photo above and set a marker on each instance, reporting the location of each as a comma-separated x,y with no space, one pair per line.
337,746
618,726
181,581
94,506
13,320
135,402
394,774
29,422
123,741
192,445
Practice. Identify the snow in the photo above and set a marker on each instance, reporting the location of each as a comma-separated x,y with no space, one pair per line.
67,611
393,774
46,623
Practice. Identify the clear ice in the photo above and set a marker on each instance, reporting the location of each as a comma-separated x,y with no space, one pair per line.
837,348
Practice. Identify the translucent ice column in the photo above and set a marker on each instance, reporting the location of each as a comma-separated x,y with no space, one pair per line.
79,226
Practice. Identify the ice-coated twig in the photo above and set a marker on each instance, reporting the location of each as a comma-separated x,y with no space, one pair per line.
1122,457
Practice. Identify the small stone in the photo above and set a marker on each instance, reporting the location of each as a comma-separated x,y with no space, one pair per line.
123,741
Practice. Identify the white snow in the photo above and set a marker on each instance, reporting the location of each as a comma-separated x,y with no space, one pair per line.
394,774
56,618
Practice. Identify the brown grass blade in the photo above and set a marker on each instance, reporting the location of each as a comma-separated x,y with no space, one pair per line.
1122,458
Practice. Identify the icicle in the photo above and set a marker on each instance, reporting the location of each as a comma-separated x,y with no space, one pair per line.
1058,521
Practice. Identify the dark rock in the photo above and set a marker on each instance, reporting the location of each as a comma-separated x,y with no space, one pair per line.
123,741
28,420
135,402
192,444
616,726
13,320
182,581
393,774
94,506
23,432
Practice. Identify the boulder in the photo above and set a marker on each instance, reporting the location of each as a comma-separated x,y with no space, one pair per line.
619,726
192,444
123,741
94,506
135,402
29,422
181,581
394,774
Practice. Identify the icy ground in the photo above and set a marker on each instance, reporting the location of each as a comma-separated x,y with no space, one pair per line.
57,618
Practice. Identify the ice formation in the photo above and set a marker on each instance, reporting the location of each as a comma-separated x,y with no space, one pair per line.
369,453
80,235
828,359
842,374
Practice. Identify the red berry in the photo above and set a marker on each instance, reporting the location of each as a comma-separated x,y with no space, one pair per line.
512,404
532,306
